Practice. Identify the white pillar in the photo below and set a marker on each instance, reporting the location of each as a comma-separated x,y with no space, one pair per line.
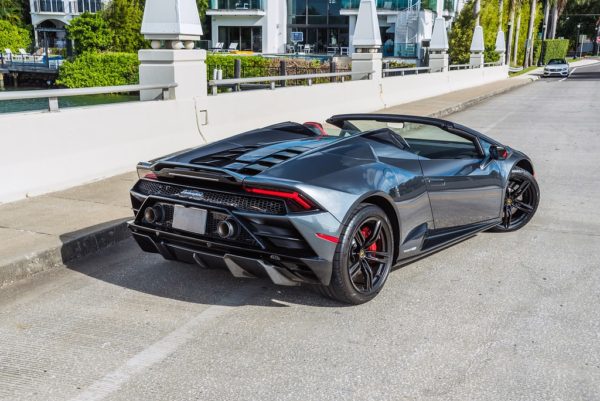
438,48
175,23
477,47
367,63
187,68
366,41
501,46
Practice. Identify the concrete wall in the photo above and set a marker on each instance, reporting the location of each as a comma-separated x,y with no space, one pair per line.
42,152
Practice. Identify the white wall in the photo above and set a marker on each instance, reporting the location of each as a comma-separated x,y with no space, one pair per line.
42,152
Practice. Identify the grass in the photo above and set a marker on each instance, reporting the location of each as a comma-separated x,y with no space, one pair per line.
524,71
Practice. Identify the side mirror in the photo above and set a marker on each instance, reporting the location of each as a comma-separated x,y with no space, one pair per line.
498,152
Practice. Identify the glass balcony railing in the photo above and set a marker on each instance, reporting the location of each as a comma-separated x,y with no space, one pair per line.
92,6
49,6
392,5
236,5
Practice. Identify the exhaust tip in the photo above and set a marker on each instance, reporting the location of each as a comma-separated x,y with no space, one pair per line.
227,229
153,214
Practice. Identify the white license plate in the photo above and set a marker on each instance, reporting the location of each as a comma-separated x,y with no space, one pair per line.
189,219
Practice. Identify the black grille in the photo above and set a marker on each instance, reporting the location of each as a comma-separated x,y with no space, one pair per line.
241,202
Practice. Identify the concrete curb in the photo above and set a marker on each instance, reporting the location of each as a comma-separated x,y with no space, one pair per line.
472,102
77,247
109,234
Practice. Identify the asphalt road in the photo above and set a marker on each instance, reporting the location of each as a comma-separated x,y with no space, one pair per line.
498,317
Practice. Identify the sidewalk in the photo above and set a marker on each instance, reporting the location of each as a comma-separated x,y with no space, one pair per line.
47,231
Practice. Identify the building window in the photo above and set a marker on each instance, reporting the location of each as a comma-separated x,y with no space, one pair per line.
320,21
247,38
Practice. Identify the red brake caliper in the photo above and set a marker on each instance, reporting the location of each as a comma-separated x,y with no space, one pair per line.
366,232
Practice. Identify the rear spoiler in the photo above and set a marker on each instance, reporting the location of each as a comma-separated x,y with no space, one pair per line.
192,171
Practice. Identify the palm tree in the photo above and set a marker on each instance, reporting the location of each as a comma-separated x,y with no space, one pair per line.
514,6
516,45
527,60
10,10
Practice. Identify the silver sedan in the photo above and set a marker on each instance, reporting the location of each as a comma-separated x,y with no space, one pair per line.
557,66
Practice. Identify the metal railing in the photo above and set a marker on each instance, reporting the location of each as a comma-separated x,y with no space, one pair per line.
236,5
394,72
382,5
310,78
470,67
54,94
460,67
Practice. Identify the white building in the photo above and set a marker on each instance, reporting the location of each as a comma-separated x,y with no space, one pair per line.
49,18
256,25
267,25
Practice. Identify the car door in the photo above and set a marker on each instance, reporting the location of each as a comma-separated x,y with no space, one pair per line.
464,187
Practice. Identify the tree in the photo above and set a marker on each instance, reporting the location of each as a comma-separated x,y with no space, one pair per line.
90,33
11,11
462,31
124,18
529,43
13,37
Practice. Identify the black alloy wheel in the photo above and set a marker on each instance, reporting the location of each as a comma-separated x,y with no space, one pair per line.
520,201
363,258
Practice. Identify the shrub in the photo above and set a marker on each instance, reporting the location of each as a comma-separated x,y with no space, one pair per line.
99,69
252,66
13,37
90,33
554,48
124,17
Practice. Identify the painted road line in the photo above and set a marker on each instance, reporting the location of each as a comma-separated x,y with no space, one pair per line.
164,347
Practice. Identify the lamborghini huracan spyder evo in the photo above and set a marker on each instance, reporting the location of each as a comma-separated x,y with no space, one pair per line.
335,205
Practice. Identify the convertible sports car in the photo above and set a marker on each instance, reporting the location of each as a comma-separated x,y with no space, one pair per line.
336,205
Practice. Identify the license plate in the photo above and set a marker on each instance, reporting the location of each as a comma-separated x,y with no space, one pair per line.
189,219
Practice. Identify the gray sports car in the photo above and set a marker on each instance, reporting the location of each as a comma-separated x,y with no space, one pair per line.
334,205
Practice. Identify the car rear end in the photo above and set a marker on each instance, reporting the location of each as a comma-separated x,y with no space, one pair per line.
212,218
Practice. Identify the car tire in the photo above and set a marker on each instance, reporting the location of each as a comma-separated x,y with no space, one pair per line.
360,270
521,201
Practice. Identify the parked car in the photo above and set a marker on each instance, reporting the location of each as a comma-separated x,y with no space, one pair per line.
557,66
335,205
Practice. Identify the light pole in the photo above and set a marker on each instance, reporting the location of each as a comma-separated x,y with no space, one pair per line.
577,39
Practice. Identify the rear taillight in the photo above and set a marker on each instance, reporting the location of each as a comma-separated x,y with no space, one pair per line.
295,201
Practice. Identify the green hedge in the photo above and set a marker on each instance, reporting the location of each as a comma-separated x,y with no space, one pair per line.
99,69
554,48
252,66
13,37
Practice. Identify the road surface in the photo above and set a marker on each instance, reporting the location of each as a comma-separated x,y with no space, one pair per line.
498,317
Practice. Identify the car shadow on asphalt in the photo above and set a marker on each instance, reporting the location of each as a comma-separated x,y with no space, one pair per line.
125,265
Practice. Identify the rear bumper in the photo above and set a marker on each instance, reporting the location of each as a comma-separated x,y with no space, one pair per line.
241,262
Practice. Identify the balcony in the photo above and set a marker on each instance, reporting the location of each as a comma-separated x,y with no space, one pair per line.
388,7
236,7
67,7
49,6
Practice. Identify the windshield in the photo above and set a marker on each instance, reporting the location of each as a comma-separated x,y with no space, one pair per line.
557,61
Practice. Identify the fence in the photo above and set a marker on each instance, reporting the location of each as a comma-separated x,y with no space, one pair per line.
54,94
271,82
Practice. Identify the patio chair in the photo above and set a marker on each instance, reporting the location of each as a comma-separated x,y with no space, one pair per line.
290,49
344,50
7,55
218,47
332,50
232,46
308,49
